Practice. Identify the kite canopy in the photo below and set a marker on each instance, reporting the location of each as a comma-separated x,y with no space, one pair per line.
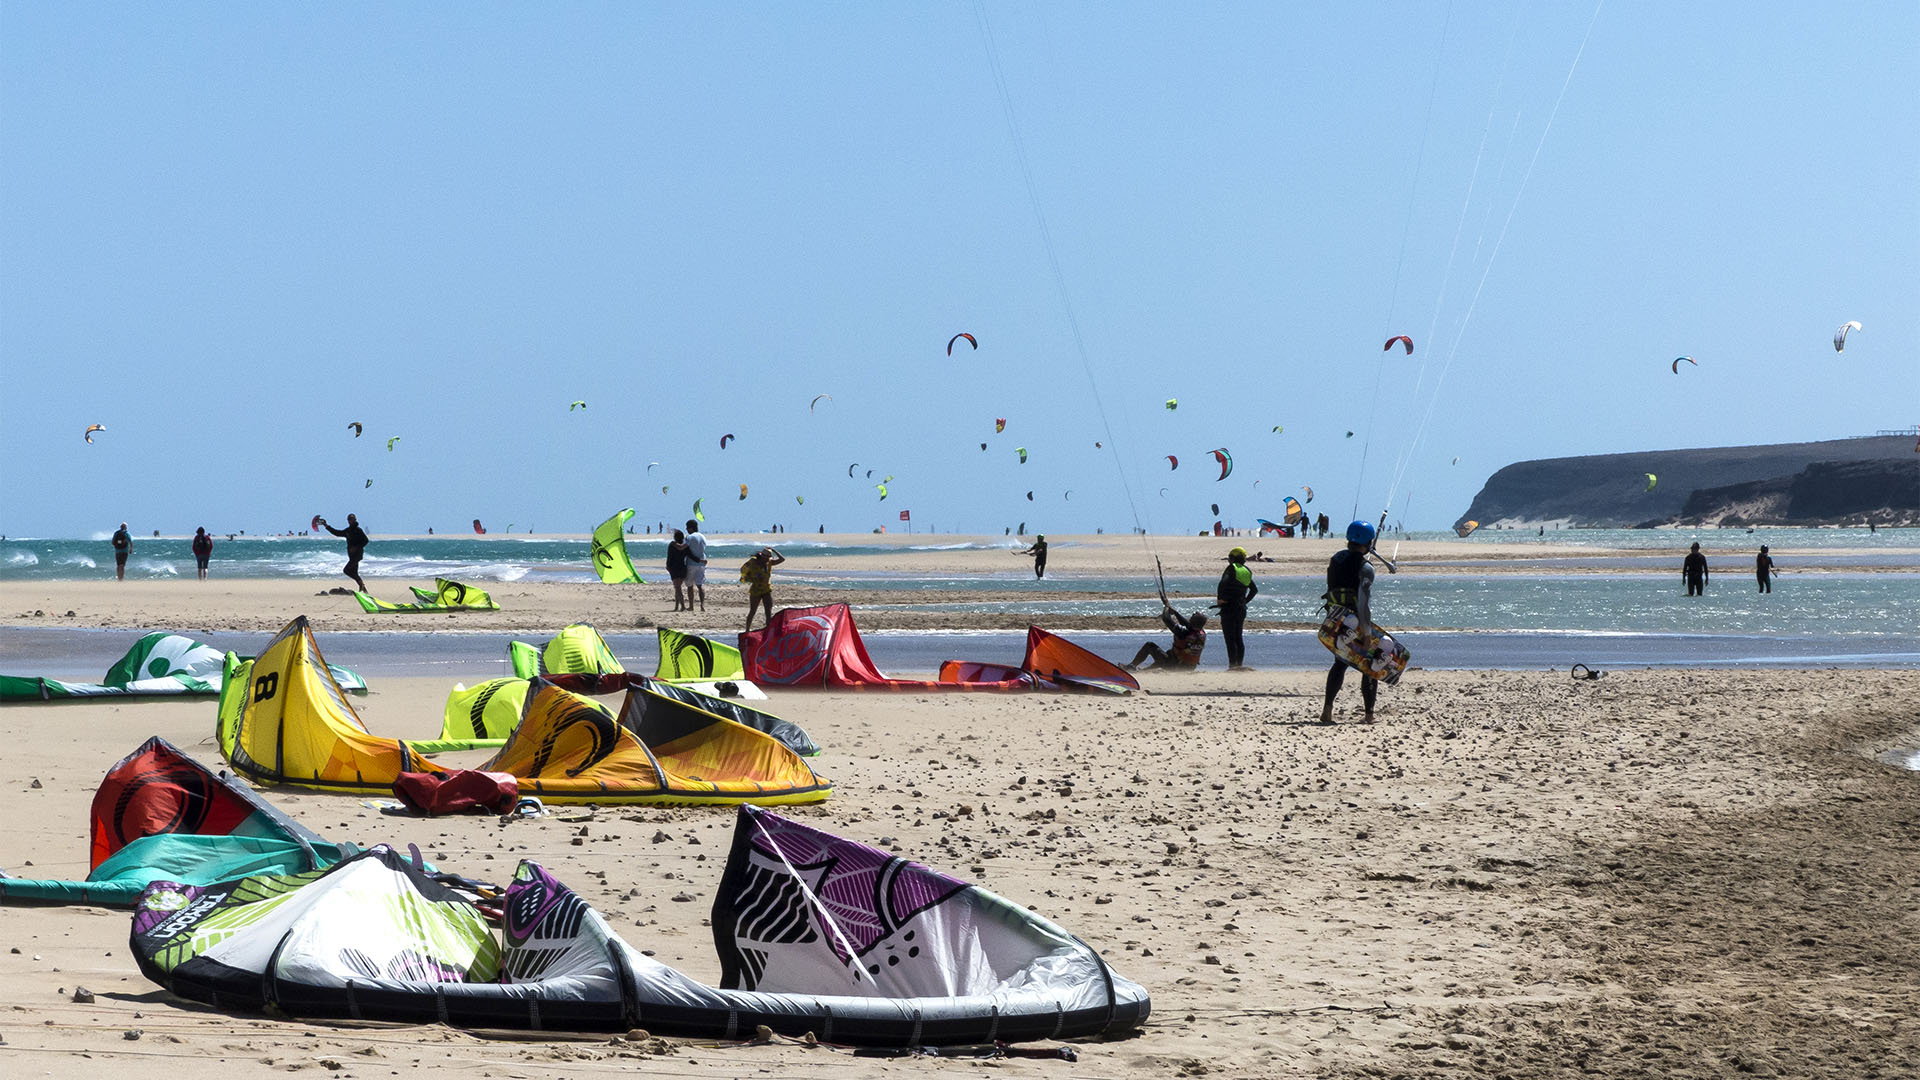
1022,451
1840,335
1226,464
1172,463
1294,511
690,657
357,427
159,815
287,724
1402,339
610,560
962,334
1677,361
446,595
575,649
1651,481
1465,528
158,664
1172,404
867,948
817,399
91,428
725,439
821,646
999,424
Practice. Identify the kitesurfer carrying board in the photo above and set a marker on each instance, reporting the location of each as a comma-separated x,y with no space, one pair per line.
356,539
1349,631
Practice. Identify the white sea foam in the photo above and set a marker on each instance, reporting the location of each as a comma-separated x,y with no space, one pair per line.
22,558
76,560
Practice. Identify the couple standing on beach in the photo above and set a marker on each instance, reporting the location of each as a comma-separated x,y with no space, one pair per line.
1693,570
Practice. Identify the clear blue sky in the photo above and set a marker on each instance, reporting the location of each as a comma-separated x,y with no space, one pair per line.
227,230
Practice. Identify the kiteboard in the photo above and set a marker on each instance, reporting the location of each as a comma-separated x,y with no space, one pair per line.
1380,657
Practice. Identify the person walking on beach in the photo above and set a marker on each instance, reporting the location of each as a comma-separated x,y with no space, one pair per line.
356,539
1189,640
1694,570
677,569
1234,592
122,547
696,564
1039,553
1763,569
757,572
202,550
1350,585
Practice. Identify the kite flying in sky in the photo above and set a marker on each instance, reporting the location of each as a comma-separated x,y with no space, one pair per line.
1402,339
957,337
88,434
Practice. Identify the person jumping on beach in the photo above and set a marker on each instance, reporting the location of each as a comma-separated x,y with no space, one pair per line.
1694,571
1234,592
1350,585
1189,640
356,539
1039,553
122,547
696,564
757,572
1763,569
202,550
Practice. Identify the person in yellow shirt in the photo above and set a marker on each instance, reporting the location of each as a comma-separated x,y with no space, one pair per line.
757,572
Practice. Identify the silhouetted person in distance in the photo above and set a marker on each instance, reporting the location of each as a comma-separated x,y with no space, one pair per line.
1039,553
122,547
202,550
1763,569
356,539
1694,570
677,570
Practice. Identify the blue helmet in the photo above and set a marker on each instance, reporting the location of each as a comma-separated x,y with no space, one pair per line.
1360,532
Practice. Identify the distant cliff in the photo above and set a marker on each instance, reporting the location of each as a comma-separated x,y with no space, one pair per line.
1840,481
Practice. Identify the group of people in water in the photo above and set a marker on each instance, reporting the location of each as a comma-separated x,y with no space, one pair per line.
1695,573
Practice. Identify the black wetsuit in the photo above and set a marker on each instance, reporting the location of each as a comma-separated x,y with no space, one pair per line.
1695,571
1233,597
1763,569
1345,571
1040,559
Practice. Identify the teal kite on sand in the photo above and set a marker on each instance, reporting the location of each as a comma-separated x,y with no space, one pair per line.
159,815
158,664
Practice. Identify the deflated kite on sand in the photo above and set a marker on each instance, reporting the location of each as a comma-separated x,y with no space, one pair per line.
815,933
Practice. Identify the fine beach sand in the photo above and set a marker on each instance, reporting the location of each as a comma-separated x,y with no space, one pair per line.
1660,874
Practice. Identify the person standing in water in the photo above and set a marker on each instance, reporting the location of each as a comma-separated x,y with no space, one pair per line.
1763,569
1039,553
202,550
1694,571
1234,592
122,547
356,539
1350,585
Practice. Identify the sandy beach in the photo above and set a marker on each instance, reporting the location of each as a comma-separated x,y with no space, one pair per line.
1661,874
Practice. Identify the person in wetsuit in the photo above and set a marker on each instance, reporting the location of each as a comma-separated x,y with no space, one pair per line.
1350,585
1763,569
1039,553
356,539
1189,639
1694,570
1234,592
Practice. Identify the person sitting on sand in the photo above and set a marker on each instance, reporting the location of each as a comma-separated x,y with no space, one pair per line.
757,572
1189,640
